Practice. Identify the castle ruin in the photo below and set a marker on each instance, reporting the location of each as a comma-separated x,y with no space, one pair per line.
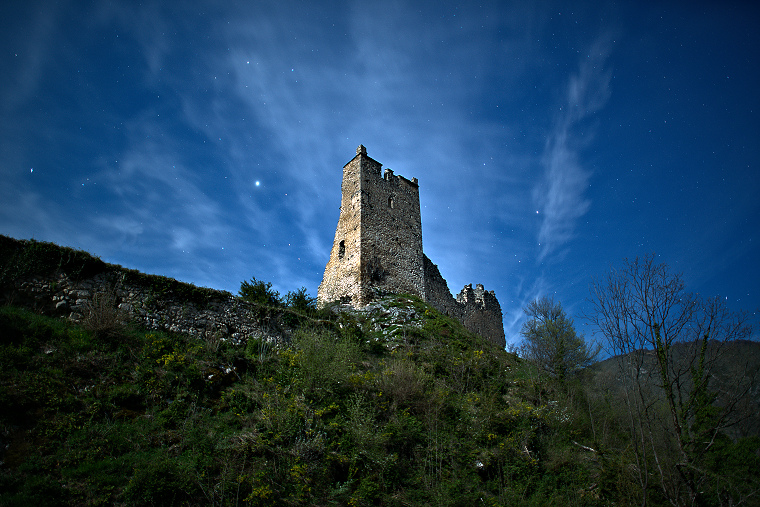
378,249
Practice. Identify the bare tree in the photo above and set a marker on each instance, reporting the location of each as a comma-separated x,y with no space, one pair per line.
668,344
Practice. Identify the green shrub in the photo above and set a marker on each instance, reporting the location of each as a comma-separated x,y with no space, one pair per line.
404,384
323,361
301,301
22,258
343,415
259,292
37,489
101,315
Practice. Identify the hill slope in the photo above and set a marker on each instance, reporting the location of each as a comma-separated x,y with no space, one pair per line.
428,414
393,405
737,360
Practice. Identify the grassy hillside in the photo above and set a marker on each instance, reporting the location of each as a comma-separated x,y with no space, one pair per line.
430,416
397,405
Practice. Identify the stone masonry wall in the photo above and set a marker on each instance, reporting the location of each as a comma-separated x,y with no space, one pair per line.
481,313
477,309
221,316
342,279
378,240
437,291
392,234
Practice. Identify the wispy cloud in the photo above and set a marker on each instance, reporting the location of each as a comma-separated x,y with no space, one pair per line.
389,93
561,195
271,97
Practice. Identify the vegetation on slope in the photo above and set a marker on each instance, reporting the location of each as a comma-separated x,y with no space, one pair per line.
395,406
22,259
434,417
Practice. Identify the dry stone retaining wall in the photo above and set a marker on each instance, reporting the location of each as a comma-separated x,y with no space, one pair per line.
221,316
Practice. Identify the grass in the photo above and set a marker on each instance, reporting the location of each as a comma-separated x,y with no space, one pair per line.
358,409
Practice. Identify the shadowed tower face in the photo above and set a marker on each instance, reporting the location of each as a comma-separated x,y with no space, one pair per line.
378,241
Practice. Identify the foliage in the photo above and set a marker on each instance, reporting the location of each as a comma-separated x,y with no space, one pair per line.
101,316
334,418
259,292
300,301
162,286
20,258
551,342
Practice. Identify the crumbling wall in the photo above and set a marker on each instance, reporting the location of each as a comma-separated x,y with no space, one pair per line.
378,240
481,313
437,291
392,235
218,315
342,279
477,309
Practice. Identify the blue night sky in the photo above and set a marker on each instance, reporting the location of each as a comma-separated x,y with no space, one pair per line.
205,140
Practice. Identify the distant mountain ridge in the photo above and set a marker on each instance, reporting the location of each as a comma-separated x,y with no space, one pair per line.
737,359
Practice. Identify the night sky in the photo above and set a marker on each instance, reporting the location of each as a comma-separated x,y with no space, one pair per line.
205,140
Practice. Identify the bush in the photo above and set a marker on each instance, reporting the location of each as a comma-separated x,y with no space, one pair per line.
301,301
324,361
404,384
101,315
160,481
260,293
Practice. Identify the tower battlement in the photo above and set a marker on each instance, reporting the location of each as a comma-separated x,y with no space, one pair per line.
378,247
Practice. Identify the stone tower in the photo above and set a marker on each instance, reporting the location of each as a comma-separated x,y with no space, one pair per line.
378,241
378,248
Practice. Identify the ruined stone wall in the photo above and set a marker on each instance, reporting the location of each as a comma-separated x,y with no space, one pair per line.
343,274
477,309
392,235
437,291
481,313
219,316
378,240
